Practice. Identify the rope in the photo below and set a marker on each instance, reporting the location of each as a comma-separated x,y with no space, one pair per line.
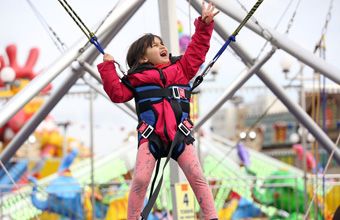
53,35
291,21
90,35
321,48
199,79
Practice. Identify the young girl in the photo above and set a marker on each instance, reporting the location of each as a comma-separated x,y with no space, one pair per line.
160,85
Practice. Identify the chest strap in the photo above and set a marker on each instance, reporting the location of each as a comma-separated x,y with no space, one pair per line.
174,92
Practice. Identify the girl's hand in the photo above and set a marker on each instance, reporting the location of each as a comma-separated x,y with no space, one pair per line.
107,57
208,13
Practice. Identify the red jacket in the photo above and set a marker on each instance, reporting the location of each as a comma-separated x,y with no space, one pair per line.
180,72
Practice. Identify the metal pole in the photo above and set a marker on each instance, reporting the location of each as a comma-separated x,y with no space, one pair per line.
40,115
168,23
64,125
230,91
118,18
92,152
295,109
281,41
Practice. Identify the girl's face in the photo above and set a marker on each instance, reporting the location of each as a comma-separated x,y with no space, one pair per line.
157,53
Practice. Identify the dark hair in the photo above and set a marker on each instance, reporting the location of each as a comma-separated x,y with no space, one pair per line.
138,49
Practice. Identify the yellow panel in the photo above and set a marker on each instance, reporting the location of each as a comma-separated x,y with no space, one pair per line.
50,167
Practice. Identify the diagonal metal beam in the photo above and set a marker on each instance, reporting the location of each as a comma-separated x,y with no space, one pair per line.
115,21
281,41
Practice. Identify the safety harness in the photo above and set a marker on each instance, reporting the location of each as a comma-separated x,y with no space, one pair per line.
179,99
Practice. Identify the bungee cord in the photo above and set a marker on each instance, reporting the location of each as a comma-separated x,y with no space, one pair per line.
199,79
53,35
90,35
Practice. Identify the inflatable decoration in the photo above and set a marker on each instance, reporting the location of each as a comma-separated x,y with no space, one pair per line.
64,192
17,76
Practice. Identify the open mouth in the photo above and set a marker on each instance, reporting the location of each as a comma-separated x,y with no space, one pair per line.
163,54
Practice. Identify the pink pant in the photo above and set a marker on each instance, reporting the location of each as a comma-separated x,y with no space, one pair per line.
188,161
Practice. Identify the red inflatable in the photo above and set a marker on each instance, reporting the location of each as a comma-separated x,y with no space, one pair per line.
17,77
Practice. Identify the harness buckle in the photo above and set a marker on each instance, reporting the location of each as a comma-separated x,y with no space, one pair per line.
178,93
145,129
185,126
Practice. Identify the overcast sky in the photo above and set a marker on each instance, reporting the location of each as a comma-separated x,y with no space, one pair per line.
19,25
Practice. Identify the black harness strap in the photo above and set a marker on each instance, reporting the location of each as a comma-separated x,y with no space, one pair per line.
173,92
127,83
179,137
155,177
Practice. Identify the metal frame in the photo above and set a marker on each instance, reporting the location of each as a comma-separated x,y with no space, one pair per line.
110,28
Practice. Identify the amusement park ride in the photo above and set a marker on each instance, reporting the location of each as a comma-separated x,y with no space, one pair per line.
23,113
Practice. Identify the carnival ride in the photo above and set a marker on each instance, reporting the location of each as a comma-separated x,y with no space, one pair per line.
21,117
